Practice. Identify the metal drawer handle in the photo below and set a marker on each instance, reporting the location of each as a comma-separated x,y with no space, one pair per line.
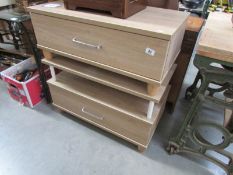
92,115
75,40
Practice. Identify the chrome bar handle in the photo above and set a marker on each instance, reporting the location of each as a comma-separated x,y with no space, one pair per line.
75,40
92,115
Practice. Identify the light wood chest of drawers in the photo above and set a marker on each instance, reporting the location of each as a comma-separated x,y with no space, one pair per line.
115,72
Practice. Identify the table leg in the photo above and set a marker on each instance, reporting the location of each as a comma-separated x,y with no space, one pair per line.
191,114
192,90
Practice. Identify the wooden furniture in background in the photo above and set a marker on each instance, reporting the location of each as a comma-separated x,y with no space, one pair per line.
116,72
193,27
15,29
168,4
118,8
220,46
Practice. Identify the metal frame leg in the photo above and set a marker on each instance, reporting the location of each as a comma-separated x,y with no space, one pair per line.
192,90
190,115
189,130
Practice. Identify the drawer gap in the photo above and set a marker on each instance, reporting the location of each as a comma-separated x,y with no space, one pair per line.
105,95
108,78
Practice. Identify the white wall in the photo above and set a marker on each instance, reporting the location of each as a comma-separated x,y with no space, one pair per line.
6,2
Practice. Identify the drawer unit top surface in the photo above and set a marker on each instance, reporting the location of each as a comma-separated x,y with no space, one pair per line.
153,22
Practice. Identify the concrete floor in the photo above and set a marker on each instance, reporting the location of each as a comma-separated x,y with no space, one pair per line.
45,141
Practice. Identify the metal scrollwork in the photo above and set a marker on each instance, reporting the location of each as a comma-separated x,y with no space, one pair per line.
222,77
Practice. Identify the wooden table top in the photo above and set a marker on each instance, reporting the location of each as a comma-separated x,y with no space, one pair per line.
194,24
216,40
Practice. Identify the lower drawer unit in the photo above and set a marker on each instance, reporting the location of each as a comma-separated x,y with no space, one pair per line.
121,117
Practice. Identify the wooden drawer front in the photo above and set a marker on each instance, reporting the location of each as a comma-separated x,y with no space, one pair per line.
129,128
122,50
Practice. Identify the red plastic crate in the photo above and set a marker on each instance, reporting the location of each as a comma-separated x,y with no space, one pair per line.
27,93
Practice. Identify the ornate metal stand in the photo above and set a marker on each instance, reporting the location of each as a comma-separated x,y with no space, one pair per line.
189,131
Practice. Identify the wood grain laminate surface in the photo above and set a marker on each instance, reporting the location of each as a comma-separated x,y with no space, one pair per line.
118,49
154,22
98,111
108,78
117,100
117,8
216,40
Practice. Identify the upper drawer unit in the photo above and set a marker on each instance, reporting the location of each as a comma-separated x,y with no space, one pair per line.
123,45
110,47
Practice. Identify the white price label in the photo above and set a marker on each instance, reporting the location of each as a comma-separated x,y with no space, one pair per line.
150,51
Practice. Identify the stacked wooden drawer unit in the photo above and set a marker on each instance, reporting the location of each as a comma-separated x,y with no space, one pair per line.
116,72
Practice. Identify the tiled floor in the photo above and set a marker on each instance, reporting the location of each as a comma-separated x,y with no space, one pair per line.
45,141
